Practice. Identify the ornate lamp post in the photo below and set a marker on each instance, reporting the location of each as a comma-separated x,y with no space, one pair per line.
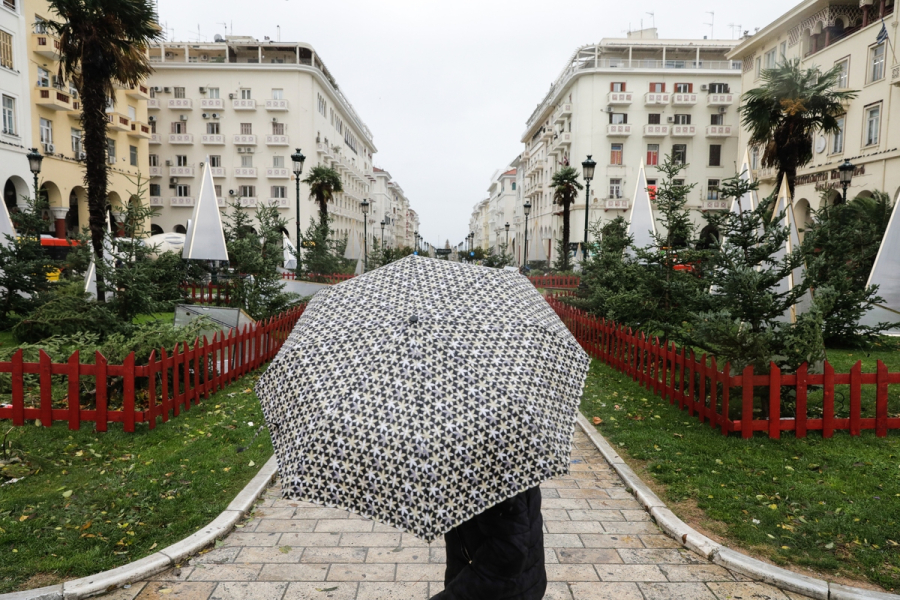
34,164
382,232
588,173
365,211
526,208
298,159
845,172
507,234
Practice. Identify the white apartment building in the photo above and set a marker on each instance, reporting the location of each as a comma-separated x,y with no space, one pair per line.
825,33
15,103
491,215
626,101
247,105
391,206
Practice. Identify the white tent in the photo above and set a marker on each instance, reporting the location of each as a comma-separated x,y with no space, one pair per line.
352,251
536,249
886,275
796,276
6,225
748,201
290,253
205,237
641,223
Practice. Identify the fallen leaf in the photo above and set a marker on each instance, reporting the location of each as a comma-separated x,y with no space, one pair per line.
284,549
67,493
597,420
252,464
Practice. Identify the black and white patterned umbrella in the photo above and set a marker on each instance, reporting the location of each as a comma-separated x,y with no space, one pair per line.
422,393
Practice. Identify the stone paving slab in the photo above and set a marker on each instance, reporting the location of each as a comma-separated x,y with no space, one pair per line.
600,545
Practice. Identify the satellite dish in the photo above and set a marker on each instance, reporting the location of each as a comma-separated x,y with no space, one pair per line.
218,38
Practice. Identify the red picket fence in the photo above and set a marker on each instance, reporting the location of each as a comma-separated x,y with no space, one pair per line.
207,293
700,387
318,278
169,383
559,282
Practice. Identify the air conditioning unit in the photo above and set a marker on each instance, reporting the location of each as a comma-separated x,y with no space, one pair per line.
723,110
205,115
111,160
183,117
704,88
274,119
170,55
168,163
215,115
173,180
231,192
151,119
204,57
249,150
240,150
609,109
167,90
203,89
670,119
172,186
231,96
49,148
156,89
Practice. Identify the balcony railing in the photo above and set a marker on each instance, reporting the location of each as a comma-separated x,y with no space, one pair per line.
277,105
243,104
616,204
245,172
217,171
656,130
683,130
155,138
617,98
181,171
247,202
618,130
718,131
244,139
118,122
564,111
277,140
138,91
710,204
45,44
181,201
212,104
684,99
140,130
720,99
211,139
156,171
278,173
181,104
278,202
156,201
181,138
656,98
153,104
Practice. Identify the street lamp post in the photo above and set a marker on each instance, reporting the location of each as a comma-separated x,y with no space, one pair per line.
382,233
845,172
365,211
34,164
507,234
527,210
588,173
298,159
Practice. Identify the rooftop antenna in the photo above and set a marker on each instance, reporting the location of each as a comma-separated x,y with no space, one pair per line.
733,28
652,20
278,35
712,20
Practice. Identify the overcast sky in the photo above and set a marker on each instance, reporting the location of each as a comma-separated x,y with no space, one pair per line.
446,87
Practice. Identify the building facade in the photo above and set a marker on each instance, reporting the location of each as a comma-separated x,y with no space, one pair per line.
15,103
245,106
627,101
391,206
824,33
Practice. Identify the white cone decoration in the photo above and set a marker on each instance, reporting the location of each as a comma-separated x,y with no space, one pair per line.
797,275
206,239
641,223
290,253
6,226
360,258
538,251
352,250
90,278
748,201
885,275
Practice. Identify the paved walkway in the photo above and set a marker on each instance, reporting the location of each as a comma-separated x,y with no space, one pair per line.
600,545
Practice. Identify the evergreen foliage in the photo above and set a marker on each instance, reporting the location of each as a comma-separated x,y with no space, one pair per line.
320,252
498,260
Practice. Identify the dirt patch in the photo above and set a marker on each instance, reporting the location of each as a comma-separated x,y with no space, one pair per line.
39,580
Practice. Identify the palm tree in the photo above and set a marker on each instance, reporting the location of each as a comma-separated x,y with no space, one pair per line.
565,188
324,182
101,42
791,106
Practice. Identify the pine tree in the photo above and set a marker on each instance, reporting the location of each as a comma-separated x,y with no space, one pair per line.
321,253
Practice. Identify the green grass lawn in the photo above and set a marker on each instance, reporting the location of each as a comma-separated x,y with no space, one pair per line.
832,505
98,501
7,339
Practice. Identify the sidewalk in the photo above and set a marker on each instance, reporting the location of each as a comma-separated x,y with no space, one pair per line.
600,545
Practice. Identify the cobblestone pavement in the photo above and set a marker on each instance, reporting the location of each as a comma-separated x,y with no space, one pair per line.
600,545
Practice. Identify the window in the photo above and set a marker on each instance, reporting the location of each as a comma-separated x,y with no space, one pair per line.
684,88
247,160
212,93
179,127
715,155
132,156
652,155
513,186
712,189
179,92
322,105
132,113
837,138
246,128
682,119
155,190
218,188
679,154
876,62
782,52
278,162
277,128
617,86
651,189
6,50
181,160
754,157
618,118
46,131
843,81
245,93
873,125
111,151
615,188
183,190
247,191
9,115
653,119
279,191
657,87
277,94
153,160
212,128
215,160
718,88
615,154
769,59
717,119
758,67
43,77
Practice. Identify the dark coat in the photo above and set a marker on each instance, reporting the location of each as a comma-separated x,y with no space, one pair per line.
499,554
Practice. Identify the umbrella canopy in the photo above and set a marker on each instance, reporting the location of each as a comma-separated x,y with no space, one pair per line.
205,237
422,393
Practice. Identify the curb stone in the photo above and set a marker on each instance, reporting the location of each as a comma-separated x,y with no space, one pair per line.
133,572
713,551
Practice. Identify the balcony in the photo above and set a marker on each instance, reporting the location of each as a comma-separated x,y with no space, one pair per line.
139,130
212,139
278,173
277,140
212,104
244,140
247,202
657,99
243,104
656,130
156,201
684,99
153,104
718,131
220,202
565,110
156,171
75,113
548,134
155,138
45,44
563,139
181,201
181,138
683,130
245,172
181,171
53,99
895,75
616,204
117,122
181,104
324,149
278,202
619,98
138,92
720,99
618,130
217,171
276,105
713,204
